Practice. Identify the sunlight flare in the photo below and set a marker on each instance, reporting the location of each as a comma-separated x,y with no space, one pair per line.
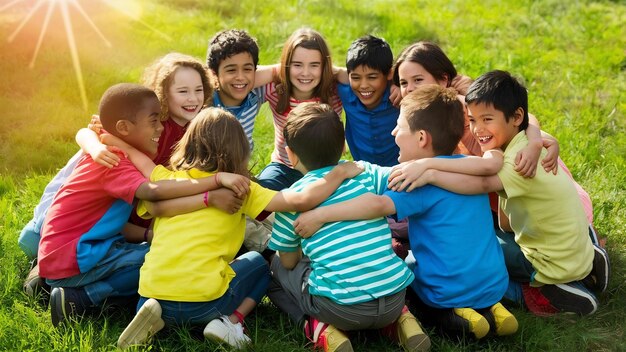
129,8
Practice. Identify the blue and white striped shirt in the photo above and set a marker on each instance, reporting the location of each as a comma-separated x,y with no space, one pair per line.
247,111
352,261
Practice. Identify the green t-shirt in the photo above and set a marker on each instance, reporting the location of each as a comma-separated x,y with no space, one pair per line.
548,220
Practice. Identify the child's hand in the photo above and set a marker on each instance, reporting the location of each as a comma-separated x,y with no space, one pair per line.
226,200
95,124
349,169
461,84
237,183
408,175
527,159
105,156
550,162
395,96
307,224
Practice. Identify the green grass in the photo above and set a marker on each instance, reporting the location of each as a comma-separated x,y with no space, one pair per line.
570,55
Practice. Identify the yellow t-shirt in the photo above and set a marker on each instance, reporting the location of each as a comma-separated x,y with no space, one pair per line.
190,253
548,220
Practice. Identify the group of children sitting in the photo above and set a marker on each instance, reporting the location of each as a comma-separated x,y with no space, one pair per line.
174,151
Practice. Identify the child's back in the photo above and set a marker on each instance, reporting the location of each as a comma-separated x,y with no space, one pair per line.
351,261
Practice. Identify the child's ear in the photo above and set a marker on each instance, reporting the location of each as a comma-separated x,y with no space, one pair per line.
390,75
518,117
423,138
124,127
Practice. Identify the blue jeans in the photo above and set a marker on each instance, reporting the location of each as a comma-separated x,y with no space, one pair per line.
252,276
117,274
277,176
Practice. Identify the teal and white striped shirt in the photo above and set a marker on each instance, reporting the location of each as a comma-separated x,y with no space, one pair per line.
352,261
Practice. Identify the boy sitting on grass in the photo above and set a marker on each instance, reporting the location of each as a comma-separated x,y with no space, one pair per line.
460,275
82,254
548,249
347,277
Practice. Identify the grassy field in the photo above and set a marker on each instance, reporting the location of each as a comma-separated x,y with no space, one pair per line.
571,56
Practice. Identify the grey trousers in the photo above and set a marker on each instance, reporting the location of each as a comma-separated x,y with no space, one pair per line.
289,291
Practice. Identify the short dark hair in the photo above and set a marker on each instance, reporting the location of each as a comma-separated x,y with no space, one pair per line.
369,51
315,134
439,112
228,43
431,57
122,102
503,91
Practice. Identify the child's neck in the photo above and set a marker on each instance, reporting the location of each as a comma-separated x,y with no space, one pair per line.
228,101
179,121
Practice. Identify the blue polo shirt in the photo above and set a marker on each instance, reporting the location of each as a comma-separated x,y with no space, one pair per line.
368,132
247,111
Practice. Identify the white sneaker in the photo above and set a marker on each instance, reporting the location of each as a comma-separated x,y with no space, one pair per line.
144,325
223,330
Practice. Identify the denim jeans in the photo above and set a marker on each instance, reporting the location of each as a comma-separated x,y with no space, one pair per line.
252,276
277,176
117,274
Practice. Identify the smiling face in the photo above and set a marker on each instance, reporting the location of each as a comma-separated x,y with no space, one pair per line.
368,84
412,75
144,132
236,78
305,72
490,127
185,95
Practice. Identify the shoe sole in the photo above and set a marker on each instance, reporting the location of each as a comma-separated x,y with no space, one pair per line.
576,300
335,334
414,343
57,298
601,261
144,325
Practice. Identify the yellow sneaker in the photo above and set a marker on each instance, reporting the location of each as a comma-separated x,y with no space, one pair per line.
478,325
506,324
144,325
410,334
334,340
326,337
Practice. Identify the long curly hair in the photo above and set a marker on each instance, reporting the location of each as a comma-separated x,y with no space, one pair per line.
160,75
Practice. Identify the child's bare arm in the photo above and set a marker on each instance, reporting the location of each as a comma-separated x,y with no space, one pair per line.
366,206
89,142
222,198
136,234
315,193
265,74
550,162
461,84
503,221
341,74
141,161
290,259
459,183
404,175
527,159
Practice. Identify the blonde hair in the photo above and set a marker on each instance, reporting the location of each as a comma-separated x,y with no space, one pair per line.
160,75
308,39
213,142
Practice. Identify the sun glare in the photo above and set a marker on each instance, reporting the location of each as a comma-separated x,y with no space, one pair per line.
129,8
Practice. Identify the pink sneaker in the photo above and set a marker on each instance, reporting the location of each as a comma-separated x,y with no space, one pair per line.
326,337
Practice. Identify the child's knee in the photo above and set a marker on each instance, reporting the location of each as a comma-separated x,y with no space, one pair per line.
29,240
